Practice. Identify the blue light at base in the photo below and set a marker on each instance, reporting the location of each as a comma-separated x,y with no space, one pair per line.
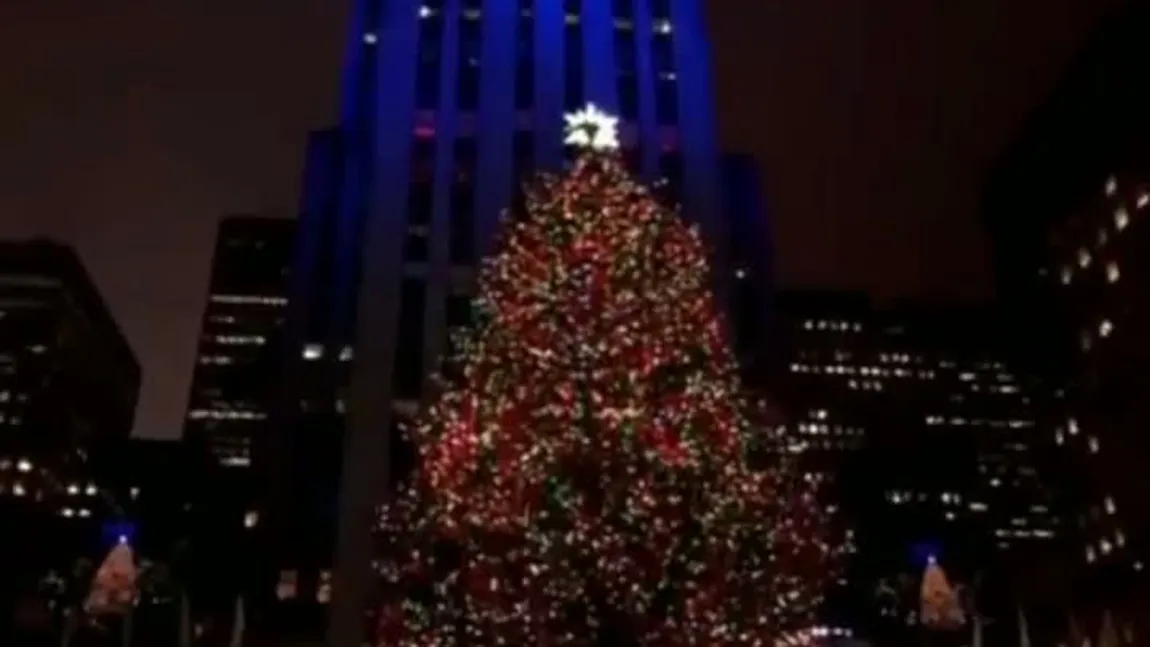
924,552
118,532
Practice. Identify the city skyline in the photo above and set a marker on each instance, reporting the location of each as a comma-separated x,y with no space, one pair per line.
135,163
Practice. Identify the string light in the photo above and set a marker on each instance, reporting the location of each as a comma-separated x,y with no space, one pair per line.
585,471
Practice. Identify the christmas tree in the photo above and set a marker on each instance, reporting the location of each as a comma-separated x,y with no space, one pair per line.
114,587
583,473
941,608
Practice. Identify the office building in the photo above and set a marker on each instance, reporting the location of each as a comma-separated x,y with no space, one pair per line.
234,382
446,106
930,442
68,382
1064,206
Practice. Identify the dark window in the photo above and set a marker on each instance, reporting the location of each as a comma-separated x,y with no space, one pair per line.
666,86
470,42
465,157
626,61
461,228
662,54
408,374
671,170
624,9
628,98
660,8
416,247
430,57
666,101
524,160
422,159
573,55
525,62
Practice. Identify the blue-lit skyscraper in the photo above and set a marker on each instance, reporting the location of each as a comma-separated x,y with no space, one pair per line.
446,105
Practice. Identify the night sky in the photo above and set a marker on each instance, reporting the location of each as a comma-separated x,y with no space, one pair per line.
128,127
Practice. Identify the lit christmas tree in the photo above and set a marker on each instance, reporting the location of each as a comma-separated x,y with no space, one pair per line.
941,608
583,474
114,588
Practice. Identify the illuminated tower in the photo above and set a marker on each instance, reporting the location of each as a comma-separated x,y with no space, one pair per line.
446,104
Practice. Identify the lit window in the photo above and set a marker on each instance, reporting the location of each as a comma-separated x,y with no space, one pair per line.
1083,258
740,273
1137,566
323,591
251,518
1143,200
1111,508
1105,328
345,354
426,12
24,465
1121,219
1112,272
662,26
1119,538
370,38
1111,186
1066,274
1090,555
286,587
1072,426
1093,444
1105,546
312,351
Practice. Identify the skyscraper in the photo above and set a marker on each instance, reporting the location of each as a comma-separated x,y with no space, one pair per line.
232,383
69,383
1066,205
447,104
932,441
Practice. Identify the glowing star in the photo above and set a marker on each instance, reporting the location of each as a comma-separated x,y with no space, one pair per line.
592,128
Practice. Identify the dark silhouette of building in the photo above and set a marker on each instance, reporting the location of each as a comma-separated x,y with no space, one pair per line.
68,383
1065,204
931,443
237,358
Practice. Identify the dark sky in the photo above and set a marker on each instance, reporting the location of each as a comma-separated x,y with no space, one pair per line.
127,127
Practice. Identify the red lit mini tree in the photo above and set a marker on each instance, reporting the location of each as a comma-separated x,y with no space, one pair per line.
583,474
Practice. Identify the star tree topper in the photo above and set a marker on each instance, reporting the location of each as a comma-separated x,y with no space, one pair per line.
592,128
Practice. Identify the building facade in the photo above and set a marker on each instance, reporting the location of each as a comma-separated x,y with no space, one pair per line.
233,382
931,443
1064,206
447,106
69,382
